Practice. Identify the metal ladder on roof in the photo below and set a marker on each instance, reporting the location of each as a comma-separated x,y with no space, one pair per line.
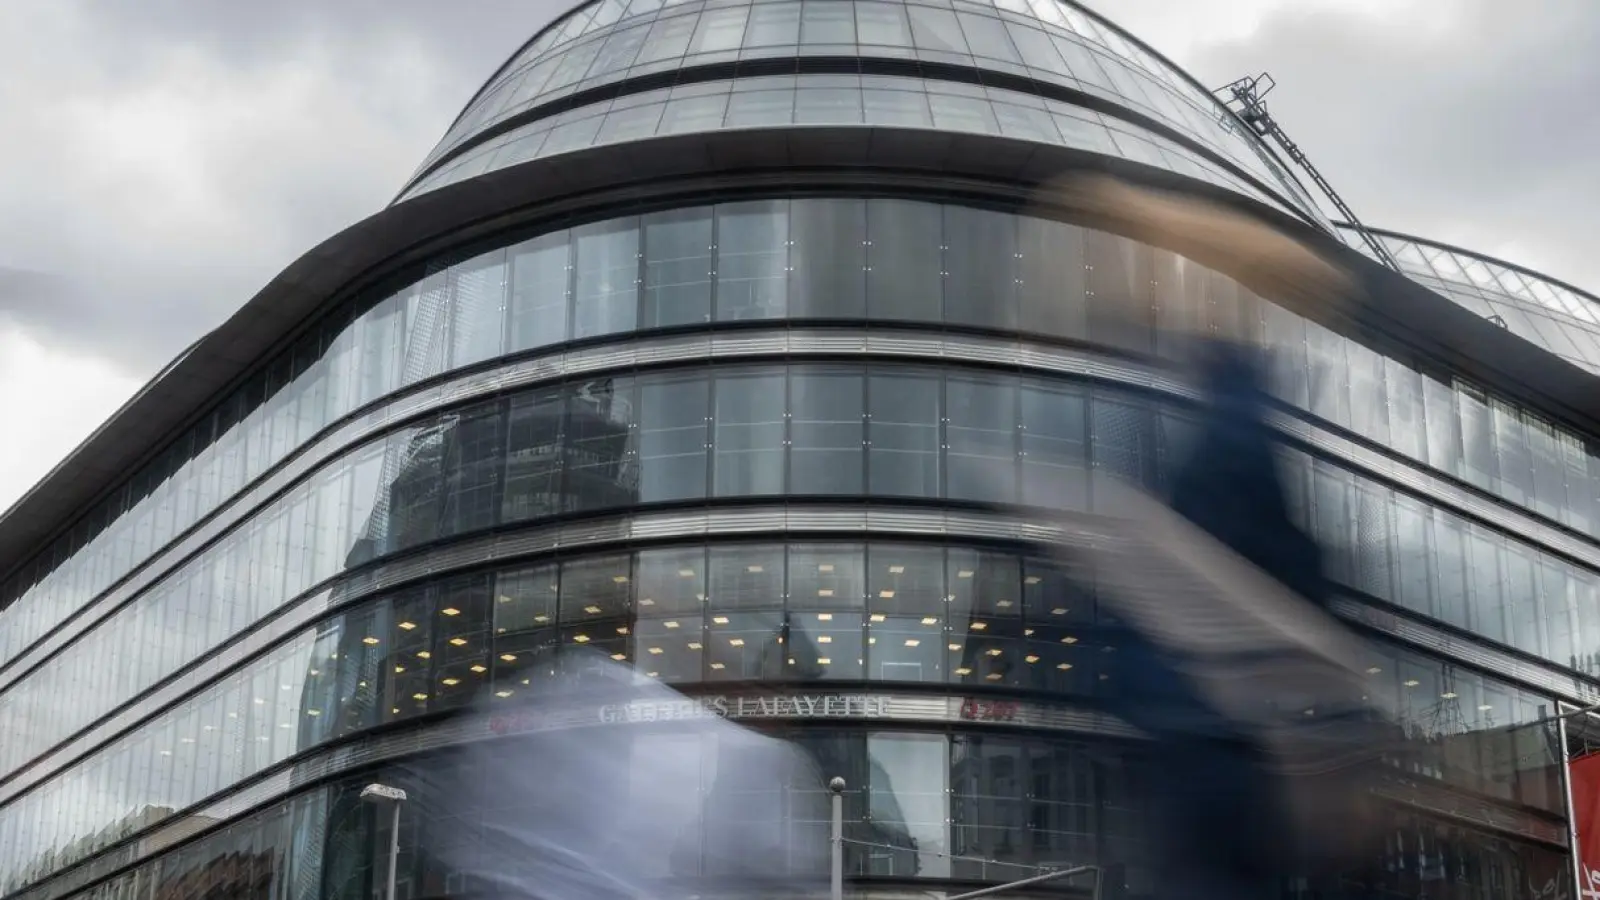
1247,99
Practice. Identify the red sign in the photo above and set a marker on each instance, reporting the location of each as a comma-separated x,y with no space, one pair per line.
1585,775
989,710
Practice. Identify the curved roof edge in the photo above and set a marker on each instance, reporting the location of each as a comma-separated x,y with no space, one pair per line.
1093,15
683,166
1464,251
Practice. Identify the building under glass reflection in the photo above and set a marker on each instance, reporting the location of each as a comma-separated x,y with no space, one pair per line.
707,340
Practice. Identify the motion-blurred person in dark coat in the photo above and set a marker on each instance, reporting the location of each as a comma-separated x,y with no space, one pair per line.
1221,830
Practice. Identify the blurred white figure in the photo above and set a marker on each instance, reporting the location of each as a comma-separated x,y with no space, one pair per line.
638,793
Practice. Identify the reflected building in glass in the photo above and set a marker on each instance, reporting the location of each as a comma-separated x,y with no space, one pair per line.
710,338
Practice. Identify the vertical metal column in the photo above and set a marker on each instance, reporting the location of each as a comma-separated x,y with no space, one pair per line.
1566,789
836,786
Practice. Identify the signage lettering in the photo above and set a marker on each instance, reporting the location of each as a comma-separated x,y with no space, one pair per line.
989,710
800,706
829,706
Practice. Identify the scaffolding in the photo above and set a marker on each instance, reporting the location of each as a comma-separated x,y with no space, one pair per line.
1247,99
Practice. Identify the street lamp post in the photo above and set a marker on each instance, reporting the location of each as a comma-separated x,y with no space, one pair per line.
377,793
836,786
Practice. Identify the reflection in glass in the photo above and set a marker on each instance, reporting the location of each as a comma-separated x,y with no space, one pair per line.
540,291
606,265
827,431
752,260
677,268
903,435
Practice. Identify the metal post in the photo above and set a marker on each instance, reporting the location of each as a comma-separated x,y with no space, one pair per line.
1566,790
375,793
394,848
837,787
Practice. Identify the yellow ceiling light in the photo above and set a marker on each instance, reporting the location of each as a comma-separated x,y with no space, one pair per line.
369,640
450,611
913,642
737,642
897,570
581,638
410,625
592,610
694,645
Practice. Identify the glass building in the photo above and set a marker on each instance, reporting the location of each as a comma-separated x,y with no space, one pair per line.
697,340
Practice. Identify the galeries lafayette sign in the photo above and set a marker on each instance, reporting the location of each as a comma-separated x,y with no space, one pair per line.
839,705
798,706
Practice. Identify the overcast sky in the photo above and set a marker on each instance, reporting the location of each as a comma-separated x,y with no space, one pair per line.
163,159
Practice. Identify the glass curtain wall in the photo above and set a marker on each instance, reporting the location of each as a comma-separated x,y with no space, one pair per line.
913,614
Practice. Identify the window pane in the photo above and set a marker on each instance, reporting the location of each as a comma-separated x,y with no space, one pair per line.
677,268
1120,297
749,434
534,449
477,325
1051,277
981,439
539,291
826,611
904,261
752,260
906,601
746,609
472,470
986,619
980,267
606,258
827,432
908,800
903,435
829,258
599,454
1124,443
673,414
828,22
671,581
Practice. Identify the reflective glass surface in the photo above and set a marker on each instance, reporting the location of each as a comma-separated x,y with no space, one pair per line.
964,804
609,443
1043,40
1562,320
727,432
814,100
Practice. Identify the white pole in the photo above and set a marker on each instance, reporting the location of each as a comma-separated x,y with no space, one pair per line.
837,787
394,847
382,793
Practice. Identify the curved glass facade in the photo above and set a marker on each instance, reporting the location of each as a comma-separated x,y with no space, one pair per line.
621,439
747,439
1559,318
883,430
712,615
1042,41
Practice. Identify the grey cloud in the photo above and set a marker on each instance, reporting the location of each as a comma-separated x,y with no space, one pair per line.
174,155
1475,126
